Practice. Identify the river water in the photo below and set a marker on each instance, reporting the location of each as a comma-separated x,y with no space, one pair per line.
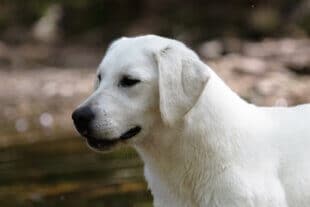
67,173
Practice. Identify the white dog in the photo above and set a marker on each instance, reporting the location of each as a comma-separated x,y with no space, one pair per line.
202,145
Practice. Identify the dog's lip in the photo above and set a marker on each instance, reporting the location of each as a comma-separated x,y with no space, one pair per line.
130,133
107,143
101,143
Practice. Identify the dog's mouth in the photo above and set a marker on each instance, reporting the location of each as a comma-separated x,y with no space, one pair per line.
105,144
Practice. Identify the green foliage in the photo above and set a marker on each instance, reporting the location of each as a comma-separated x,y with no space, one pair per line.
198,19
305,23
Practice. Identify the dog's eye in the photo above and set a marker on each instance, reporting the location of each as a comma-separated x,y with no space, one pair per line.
99,78
128,82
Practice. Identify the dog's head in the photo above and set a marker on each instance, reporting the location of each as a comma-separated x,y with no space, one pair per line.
141,82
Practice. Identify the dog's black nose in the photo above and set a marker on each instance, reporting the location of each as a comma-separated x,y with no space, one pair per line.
82,118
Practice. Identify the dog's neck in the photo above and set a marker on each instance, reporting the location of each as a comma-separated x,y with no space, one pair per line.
200,141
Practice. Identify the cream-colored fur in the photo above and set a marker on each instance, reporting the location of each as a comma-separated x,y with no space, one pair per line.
202,145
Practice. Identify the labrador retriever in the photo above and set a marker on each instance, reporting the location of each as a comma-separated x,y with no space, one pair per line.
202,144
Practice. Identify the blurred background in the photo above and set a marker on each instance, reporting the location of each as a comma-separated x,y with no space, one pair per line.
49,51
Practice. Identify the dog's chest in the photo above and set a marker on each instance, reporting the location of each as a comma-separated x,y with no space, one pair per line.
166,190
175,188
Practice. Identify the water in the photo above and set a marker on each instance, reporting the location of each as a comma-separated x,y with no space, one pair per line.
67,173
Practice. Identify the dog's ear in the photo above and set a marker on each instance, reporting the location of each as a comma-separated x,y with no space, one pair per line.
182,78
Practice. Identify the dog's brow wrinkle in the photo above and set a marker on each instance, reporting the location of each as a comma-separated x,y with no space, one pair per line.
165,50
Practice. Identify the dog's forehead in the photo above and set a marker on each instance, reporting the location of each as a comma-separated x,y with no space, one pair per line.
129,52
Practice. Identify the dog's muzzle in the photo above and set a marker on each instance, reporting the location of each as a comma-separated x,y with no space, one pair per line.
83,117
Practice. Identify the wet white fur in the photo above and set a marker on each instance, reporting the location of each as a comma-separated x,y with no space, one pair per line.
202,145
